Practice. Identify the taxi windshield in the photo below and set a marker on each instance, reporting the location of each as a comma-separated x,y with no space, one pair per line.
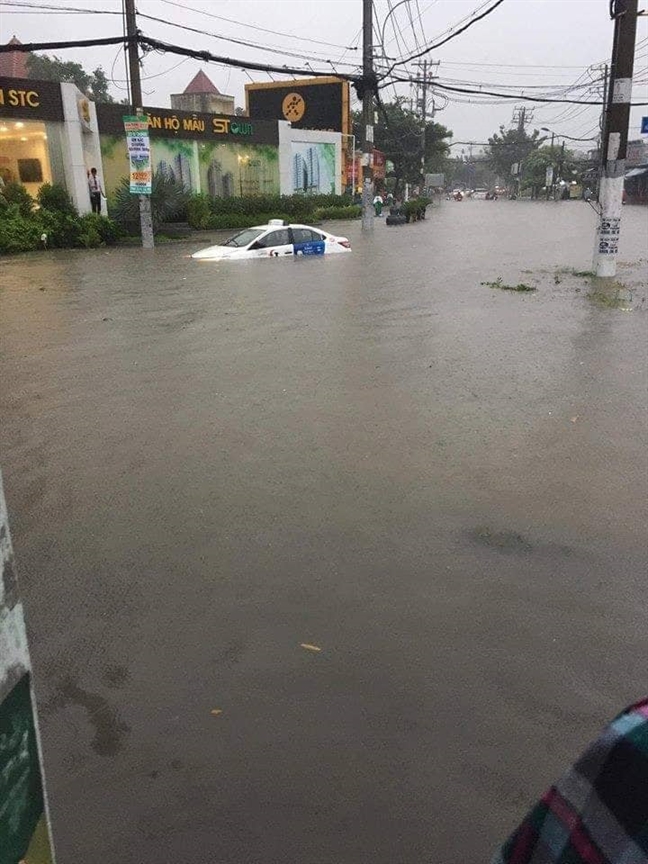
243,238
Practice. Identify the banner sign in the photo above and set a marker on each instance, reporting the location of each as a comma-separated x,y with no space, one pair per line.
197,126
139,154
30,100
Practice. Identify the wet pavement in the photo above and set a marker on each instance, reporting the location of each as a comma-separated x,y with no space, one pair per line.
440,484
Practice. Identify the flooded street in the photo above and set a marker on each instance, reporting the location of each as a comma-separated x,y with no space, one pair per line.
440,484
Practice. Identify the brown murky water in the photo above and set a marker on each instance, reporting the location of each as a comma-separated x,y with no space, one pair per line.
441,485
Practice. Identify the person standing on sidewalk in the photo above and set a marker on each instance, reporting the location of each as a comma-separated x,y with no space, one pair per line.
94,186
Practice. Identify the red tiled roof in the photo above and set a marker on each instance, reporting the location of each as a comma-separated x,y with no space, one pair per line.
200,83
14,64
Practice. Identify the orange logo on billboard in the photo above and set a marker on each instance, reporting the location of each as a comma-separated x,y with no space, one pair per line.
293,107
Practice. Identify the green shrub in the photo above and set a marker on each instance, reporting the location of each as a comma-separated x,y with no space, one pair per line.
415,208
18,233
107,229
351,211
240,220
63,229
89,237
16,193
199,211
55,198
297,207
169,200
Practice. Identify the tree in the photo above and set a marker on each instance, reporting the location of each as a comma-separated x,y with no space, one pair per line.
473,173
510,146
93,84
398,134
535,167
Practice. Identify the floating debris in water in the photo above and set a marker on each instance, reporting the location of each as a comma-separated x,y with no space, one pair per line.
499,283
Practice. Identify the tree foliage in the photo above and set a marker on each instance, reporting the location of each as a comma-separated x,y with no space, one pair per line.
398,134
510,146
94,84
535,166
472,173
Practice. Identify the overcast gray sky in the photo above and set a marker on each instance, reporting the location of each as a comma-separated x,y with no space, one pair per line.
523,44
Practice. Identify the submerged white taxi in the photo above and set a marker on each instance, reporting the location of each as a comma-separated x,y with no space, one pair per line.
275,240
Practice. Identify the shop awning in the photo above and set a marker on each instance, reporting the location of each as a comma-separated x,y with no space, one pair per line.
637,172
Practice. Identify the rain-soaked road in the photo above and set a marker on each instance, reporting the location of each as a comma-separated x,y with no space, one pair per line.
441,485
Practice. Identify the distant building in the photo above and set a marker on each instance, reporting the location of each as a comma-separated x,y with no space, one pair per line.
14,63
201,95
637,153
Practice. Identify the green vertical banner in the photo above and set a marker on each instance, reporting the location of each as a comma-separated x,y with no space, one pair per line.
139,154
24,827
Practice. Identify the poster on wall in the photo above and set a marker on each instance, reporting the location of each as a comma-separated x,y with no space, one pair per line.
313,168
139,154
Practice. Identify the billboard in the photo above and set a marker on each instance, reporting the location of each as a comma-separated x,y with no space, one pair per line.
307,103
434,180
379,162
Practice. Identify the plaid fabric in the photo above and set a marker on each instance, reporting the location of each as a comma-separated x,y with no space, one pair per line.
598,812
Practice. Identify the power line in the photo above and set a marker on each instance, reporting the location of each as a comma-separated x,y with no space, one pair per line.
59,9
208,57
272,49
248,26
28,47
453,35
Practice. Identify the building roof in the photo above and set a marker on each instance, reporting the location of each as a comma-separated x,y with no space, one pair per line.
200,83
14,64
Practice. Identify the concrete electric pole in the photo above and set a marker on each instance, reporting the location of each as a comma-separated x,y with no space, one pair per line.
615,137
146,222
426,67
367,116
423,122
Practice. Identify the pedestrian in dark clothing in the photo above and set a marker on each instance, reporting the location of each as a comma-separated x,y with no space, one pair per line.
94,186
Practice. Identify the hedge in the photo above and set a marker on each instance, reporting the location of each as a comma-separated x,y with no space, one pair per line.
350,211
56,224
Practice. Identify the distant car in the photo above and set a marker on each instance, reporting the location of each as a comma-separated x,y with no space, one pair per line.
479,194
275,240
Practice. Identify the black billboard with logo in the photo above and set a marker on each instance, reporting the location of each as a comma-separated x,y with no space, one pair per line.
307,103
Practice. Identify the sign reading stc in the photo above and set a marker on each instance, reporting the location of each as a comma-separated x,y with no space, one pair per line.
30,100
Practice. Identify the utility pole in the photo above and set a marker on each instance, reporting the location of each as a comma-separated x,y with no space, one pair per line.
146,222
423,122
615,136
368,83
550,185
561,164
602,124
521,118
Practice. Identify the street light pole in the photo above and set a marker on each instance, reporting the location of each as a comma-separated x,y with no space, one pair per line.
146,222
615,138
367,115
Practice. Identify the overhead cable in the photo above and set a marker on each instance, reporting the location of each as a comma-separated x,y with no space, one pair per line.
453,35
249,26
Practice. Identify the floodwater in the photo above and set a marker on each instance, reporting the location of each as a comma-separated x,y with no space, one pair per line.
439,484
